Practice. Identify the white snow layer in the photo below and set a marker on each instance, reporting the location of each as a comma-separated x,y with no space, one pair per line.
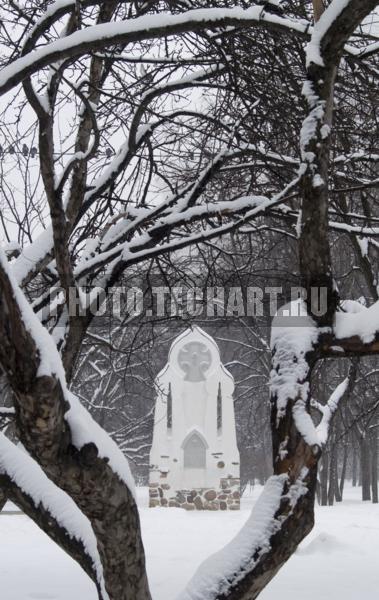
338,560
31,255
48,13
363,322
30,478
12,246
292,337
328,411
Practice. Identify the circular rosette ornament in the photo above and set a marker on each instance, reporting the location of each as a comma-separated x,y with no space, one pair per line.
194,359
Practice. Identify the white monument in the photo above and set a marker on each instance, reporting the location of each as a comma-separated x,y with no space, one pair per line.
194,459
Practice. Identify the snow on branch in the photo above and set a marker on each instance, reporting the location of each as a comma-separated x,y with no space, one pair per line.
142,28
370,50
364,324
357,157
29,261
182,83
342,391
53,12
6,416
6,411
232,207
124,156
146,245
329,409
42,493
85,430
324,28
328,38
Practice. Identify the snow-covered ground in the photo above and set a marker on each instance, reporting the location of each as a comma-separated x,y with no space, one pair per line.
339,560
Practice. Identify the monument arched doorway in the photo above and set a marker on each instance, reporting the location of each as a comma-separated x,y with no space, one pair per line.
195,452
194,460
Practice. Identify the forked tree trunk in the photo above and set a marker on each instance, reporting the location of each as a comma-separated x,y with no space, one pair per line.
91,481
283,545
296,516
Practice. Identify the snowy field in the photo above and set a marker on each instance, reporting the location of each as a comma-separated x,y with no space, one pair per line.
338,561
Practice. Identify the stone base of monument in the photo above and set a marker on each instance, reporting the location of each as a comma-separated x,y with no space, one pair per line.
226,497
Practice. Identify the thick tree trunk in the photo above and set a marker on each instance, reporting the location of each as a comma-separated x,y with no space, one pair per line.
288,512
44,430
297,517
109,505
283,545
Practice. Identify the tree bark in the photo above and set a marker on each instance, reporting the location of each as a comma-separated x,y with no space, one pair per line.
3,498
343,472
49,525
333,476
324,476
298,520
354,466
374,467
365,469
318,9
